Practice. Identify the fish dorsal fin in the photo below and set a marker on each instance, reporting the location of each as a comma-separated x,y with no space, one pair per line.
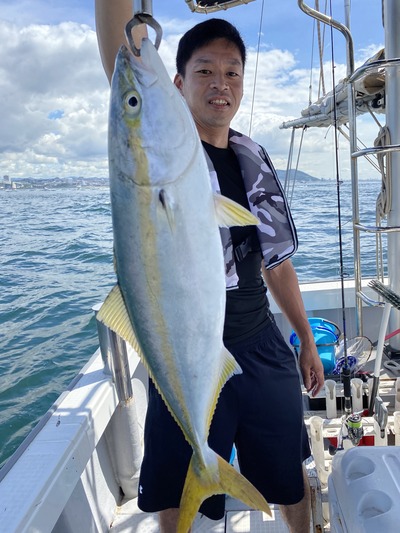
230,367
230,213
114,315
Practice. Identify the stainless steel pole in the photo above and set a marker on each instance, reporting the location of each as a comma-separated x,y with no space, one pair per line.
392,50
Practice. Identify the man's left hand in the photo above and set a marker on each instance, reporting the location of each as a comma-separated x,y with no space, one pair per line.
311,369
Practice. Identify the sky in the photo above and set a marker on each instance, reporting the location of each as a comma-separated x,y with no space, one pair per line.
54,93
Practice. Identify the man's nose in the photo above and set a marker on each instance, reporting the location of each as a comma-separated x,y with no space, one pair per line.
219,82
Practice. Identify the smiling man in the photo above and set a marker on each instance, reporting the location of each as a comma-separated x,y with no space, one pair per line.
211,82
259,411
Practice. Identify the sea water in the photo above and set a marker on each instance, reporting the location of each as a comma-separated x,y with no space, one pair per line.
56,263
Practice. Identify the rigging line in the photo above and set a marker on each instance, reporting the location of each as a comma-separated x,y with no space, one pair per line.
291,173
289,165
256,68
303,129
372,160
346,368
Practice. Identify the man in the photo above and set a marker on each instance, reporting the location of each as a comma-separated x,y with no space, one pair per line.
261,410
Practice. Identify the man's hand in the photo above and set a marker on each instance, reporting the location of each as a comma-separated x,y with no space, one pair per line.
284,287
311,368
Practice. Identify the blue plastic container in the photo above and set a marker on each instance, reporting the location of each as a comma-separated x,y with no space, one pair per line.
326,335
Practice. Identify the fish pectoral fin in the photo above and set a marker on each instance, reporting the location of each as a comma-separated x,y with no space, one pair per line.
199,486
168,206
230,213
114,315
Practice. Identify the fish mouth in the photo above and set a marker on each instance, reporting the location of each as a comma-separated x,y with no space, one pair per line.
143,74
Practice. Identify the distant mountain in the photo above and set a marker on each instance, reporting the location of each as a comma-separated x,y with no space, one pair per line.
298,175
79,181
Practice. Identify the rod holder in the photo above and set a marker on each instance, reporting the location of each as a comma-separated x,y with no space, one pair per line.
357,394
330,391
317,445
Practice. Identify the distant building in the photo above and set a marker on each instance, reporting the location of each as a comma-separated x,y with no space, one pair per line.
7,182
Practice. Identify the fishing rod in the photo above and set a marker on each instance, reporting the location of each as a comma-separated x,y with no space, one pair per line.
352,428
345,370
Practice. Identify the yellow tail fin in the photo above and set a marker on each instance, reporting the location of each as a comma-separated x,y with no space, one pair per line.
199,487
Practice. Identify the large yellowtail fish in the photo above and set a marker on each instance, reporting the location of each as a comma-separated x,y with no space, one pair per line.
169,302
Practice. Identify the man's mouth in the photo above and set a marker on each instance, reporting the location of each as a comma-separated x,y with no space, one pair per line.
219,101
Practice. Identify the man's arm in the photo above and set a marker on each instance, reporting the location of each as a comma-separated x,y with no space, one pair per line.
111,18
284,286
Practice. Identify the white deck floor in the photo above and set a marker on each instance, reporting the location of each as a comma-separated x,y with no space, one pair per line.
238,519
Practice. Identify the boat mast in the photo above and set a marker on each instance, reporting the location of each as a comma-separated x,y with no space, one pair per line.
392,50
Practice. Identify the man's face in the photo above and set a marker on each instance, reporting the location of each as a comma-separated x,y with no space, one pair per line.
213,85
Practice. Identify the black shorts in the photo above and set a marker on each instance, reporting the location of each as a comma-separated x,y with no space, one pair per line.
260,411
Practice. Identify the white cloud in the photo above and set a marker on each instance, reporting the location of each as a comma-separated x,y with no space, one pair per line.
54,97
55,100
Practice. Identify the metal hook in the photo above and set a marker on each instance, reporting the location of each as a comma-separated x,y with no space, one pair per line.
142,18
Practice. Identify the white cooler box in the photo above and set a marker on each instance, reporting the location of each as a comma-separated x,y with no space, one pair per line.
364,490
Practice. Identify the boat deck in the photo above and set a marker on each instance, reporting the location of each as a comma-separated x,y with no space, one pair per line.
69,473
238,519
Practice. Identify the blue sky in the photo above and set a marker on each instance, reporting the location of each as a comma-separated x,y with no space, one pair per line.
55,94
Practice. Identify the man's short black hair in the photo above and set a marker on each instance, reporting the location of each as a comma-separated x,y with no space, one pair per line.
203,34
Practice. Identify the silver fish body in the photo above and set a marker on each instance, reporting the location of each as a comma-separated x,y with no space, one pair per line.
169,261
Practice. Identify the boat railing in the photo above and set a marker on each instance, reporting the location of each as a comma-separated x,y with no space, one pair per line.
114,353
388,149
127,446
356,153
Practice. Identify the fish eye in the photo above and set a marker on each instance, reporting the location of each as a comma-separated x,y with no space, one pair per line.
133,102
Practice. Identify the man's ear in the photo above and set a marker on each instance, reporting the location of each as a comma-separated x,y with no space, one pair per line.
178,80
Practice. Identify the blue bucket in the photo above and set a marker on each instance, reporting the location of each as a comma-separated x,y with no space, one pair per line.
326,335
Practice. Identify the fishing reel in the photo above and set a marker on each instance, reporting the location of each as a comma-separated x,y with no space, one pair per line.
352,430
355,430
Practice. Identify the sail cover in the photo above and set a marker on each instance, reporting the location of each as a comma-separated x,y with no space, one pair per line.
209,6
369,90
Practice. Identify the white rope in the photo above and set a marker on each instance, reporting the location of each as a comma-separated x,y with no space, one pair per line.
384,199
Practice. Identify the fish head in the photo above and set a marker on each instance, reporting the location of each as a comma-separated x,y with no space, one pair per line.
152,136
